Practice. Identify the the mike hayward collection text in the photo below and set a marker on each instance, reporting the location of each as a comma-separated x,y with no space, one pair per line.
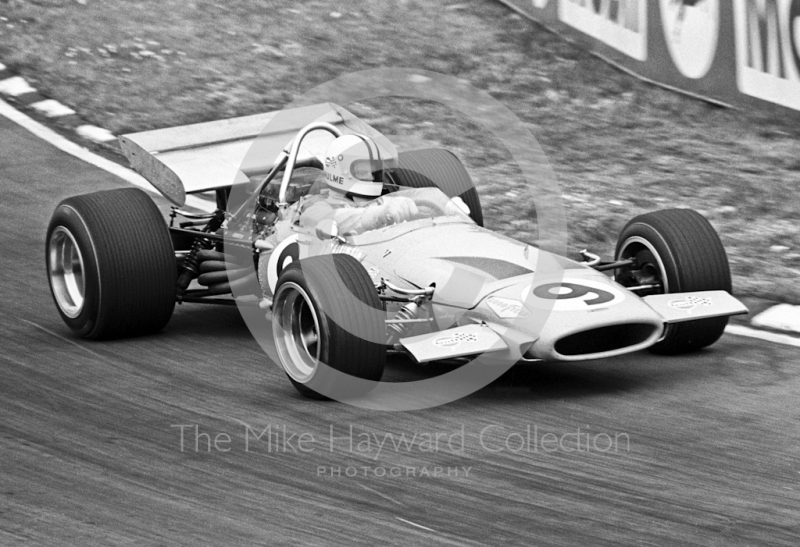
349,438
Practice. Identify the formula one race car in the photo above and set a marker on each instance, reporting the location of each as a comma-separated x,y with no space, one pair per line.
365,254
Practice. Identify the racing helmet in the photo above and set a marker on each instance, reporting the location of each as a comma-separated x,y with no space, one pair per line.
350,162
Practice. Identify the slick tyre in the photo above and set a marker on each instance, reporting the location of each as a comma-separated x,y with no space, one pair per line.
680,251
436,167
111,264
329,327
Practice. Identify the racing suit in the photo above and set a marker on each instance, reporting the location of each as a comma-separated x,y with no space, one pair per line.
355,216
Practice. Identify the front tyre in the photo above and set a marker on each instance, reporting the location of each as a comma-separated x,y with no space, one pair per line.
328,319
111,264
676,250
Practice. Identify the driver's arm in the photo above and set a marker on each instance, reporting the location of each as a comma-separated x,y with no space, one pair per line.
388,210
384,211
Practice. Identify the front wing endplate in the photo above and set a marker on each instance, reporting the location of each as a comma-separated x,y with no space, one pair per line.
455,342
688,306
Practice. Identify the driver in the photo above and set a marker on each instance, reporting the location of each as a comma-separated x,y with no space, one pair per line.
354,198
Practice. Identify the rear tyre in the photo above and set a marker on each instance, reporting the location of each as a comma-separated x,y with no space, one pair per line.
436,167
678,250
111,264
326,310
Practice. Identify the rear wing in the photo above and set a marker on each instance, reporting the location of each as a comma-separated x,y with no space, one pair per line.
206,156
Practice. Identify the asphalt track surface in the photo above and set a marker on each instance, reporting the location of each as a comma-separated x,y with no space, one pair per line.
707,446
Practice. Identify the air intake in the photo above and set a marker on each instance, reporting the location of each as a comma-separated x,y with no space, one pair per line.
603,339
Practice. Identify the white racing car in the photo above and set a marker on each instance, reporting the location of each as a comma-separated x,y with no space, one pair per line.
422,277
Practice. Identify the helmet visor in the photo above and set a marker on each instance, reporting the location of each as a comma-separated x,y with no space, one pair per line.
363,169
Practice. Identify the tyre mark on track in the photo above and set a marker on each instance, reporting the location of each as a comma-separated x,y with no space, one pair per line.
417,525
384,496
62,338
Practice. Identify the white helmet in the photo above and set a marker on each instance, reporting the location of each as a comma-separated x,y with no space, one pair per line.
349,163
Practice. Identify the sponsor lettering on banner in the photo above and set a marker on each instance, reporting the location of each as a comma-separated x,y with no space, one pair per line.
621,24
691,28
768,50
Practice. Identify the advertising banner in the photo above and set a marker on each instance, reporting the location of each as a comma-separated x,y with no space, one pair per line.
740,52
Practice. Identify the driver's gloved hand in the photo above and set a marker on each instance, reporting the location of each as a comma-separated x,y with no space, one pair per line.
392,210
400,208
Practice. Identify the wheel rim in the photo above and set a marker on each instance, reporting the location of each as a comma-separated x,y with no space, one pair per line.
296,330
652,266
67,272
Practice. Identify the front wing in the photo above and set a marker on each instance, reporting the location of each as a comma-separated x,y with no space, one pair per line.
690,306
477,339
455,342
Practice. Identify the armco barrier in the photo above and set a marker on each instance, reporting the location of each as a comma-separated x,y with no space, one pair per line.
742,52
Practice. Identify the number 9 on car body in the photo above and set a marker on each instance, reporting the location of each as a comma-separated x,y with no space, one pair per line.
572,295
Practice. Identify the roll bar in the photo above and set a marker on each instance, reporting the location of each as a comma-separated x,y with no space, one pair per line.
287,174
